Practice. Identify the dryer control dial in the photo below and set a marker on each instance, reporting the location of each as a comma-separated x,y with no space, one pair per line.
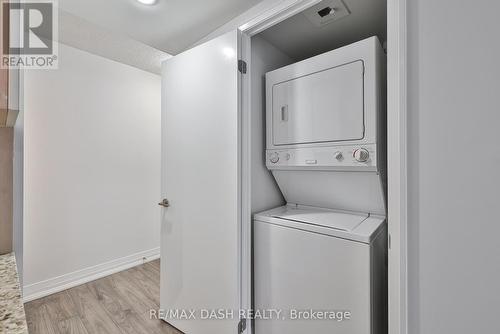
274,157
361,155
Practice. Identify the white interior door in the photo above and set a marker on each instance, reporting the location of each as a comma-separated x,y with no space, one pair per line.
200,179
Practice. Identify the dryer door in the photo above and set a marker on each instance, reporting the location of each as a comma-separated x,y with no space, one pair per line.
326,106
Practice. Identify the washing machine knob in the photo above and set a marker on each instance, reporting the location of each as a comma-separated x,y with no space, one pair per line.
361,155
274,157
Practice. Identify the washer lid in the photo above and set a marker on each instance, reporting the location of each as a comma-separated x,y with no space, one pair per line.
330,219
356,226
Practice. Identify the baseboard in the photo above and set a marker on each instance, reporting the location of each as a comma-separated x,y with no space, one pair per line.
66,281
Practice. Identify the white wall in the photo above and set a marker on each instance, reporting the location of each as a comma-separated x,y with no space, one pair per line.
92,169
16,102
454,164
18,193
265,57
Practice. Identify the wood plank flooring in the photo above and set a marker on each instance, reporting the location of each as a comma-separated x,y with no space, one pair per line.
119,303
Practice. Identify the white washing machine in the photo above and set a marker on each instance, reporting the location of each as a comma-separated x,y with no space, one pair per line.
325,251
311,259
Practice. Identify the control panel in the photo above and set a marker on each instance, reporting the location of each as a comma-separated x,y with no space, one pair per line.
348,157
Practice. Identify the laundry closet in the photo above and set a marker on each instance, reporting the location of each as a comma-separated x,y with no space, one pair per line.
274,174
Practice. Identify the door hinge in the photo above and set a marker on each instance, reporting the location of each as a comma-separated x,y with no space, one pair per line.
242,326
242,66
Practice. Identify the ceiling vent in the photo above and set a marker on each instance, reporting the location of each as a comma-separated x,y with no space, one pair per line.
326,12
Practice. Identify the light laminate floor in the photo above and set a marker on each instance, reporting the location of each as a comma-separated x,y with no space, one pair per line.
119,303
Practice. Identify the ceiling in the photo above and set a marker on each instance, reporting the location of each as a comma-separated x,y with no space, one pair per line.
84,35
299,38
170,25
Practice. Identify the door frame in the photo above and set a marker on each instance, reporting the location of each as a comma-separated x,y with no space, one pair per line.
396,152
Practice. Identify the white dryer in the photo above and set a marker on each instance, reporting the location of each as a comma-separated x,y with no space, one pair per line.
325,146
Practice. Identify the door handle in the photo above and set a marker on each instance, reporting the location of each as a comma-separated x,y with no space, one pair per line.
164,203
284,113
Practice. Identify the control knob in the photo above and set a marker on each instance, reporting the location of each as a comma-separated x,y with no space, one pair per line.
361,155
274,157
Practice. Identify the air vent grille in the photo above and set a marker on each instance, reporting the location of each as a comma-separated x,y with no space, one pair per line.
327,12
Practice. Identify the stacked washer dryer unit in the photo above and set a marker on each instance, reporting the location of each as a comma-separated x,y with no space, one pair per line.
326,249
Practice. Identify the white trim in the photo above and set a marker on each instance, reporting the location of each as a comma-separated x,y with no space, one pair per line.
397,164
66,281
275,15
246,180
